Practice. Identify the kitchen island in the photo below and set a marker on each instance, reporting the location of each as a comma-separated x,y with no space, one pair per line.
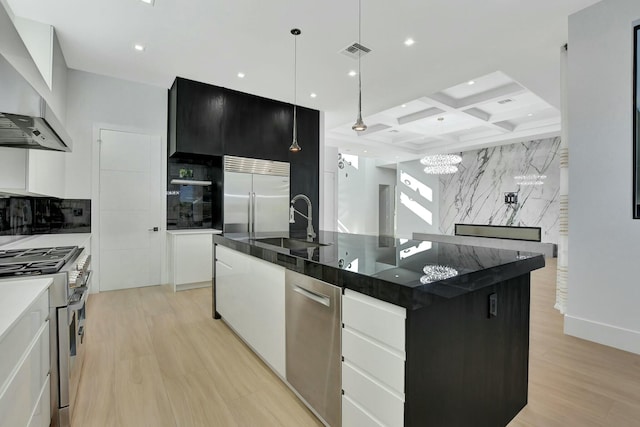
461,339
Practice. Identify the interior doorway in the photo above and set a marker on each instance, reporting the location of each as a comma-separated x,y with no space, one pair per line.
130,210
386,210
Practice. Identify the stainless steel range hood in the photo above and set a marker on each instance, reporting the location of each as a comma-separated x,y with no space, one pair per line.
26,120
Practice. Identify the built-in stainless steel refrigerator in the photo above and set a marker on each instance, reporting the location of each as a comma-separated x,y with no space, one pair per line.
256,195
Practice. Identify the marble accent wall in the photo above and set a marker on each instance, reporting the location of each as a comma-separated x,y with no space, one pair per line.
475,194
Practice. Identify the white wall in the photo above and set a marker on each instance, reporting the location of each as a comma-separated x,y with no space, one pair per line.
95,101
329,179
604,241
417,203
358,195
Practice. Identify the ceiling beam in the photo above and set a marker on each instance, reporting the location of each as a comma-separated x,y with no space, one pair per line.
418,115
491,95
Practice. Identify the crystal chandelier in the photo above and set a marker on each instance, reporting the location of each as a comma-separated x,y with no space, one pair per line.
441,164
437,272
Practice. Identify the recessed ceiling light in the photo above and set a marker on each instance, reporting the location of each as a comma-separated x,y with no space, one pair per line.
404,105
471,82
313,95
241,75
151,2
530,114
365,151
409,41
352,73
138,47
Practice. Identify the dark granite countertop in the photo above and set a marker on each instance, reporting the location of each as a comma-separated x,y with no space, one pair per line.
400,271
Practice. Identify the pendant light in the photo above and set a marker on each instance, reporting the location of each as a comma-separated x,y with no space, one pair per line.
359,125
294,148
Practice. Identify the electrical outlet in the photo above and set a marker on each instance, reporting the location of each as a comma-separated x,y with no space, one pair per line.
493,305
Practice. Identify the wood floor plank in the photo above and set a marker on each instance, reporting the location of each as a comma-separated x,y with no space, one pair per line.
195,403
141,395
155,357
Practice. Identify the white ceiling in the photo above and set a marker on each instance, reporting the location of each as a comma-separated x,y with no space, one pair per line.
213,40
485,111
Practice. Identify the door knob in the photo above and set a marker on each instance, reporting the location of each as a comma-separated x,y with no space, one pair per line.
154,229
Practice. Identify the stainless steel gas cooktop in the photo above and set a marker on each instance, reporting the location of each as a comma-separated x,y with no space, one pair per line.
15,262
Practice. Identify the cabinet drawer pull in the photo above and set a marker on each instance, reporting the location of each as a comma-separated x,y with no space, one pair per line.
319,298
224,264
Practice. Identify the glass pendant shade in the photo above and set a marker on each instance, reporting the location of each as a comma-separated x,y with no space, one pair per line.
359,125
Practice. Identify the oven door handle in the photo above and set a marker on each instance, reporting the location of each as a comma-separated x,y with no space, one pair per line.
78,305
87,278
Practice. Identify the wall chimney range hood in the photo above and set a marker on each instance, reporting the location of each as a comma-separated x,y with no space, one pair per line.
26,120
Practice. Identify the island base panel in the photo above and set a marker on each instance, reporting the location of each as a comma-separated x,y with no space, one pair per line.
464,366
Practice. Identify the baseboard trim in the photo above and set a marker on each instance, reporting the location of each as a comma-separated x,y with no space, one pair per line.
602,333
187,286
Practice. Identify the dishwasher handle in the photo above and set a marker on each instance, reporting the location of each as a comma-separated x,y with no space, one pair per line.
319,298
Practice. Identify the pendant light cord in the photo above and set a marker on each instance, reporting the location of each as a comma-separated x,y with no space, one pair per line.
295,85
359,55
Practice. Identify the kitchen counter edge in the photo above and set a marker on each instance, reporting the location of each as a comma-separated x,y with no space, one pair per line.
411,298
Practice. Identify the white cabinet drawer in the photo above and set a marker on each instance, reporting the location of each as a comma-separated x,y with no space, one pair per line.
41,416
19,399
231,258
372,396
17,340
377,319
379,361
354,416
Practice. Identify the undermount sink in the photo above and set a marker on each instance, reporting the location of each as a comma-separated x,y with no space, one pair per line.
285,242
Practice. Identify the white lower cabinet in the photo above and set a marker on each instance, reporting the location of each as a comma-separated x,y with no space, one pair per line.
190,256
373,367
250,298
41,416
22,393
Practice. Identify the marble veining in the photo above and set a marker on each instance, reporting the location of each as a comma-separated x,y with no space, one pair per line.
475,195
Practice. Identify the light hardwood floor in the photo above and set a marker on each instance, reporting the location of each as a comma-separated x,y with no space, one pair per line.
155,358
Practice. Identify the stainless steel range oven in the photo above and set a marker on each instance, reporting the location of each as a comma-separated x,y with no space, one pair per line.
69,266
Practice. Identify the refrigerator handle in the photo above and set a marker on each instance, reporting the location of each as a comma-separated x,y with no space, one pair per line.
249,205
253,225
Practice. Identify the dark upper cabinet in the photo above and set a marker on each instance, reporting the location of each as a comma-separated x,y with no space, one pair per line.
257,127
196,118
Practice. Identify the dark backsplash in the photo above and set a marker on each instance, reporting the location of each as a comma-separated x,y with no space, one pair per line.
42,215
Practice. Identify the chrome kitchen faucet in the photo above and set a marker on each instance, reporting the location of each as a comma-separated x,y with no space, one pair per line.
311,234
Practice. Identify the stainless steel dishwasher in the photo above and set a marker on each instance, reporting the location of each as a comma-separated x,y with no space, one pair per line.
313,344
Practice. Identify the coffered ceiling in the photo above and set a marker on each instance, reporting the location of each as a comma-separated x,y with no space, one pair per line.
455,41
485,111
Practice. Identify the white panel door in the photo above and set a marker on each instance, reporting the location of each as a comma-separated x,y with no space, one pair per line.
130,207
